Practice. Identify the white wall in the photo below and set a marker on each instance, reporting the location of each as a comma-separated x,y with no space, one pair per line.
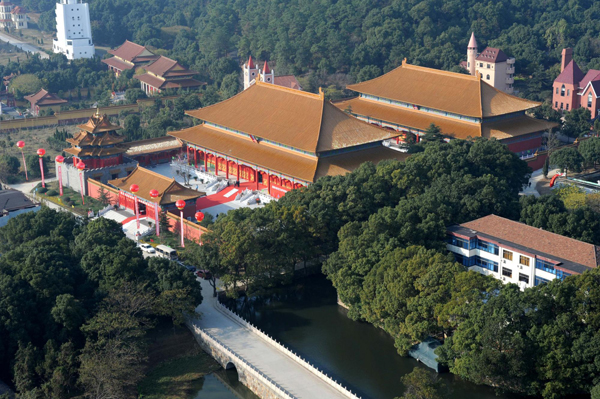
73,30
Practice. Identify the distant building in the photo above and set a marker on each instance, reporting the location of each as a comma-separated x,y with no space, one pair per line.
517,253
73,30
42,100
12,16
410,98
492,65
165,73
13,203
154,151
267,75
573,89
129,56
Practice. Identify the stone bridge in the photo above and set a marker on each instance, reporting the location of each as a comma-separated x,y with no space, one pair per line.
265,366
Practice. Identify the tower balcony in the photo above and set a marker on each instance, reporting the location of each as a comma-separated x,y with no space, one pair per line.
510,81
510,70
510,61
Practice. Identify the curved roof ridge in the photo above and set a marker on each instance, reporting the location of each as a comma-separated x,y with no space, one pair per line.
438,71
288,89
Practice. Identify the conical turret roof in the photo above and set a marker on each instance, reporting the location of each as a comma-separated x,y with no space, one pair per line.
473,41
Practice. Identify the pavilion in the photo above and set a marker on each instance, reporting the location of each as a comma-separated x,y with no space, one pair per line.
169,191
281,139
409,98
165,73
129,55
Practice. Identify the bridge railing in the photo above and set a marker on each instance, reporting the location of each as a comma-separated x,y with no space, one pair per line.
319,373
282,392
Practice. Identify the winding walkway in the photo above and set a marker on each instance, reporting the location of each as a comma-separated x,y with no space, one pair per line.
280,367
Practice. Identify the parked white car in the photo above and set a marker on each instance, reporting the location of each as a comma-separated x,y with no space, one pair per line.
147,248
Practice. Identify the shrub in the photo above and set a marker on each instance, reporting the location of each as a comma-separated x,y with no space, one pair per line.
42,190
66,199
52,193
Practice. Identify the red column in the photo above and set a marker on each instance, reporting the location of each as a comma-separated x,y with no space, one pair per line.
256,176
205,162
216,165
269,184
227,169
238,171
187,154
195,160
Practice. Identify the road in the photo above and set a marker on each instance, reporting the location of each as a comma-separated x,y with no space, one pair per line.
26,188
279,367
30,48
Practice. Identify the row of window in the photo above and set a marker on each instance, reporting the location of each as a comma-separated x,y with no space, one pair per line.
476,261
562,93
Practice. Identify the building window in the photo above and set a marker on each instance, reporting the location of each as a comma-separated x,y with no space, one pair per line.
557,90
561,105
458,242
506,272
486,264
567,107
487,77
481,64
508,255
562,91
468,64
487,247
488,65
539,280
556,103
590,100
524,260
524,278
568,92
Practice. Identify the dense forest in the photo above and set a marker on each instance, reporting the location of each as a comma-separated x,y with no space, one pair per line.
382,232
332,42
76,301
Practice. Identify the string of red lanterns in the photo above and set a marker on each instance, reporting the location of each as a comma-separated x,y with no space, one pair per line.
154,195
180,204
41,152
20,145
59,160
81,166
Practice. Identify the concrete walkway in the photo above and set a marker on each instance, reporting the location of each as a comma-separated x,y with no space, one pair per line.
536,176
26,189
28,47
279,367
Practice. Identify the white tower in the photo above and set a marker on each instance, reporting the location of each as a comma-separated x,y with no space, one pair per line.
267,74
73,30
250,72
472,54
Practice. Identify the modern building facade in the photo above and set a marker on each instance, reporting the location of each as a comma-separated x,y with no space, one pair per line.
280,139
410,98
129,56
12,16
573,89
517,253
73,30
492,65
165,73
267,75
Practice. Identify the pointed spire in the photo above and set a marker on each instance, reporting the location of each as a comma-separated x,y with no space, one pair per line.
266,68
251,63
473,41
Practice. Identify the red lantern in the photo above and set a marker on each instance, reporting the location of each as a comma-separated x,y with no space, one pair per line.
199,216
20,144
59,159
180,204
80,165
134,188
154,193
41,152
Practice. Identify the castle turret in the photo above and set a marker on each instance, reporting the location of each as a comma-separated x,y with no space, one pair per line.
251,72
472,54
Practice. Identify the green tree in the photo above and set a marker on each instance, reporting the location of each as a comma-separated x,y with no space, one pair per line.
423,384
433,134
590,150
577,122
567,159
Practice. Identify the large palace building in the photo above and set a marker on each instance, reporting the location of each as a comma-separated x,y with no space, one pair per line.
409,98
280,138
129,56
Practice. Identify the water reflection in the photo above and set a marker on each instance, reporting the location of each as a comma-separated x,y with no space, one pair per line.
224,384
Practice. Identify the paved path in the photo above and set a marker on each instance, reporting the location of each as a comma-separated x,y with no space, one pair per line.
279,367
536,176
26,188
30,48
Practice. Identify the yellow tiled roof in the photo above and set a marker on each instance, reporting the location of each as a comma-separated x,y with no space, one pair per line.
442,90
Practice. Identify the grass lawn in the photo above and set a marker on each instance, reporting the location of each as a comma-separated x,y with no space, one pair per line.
77,206
177,365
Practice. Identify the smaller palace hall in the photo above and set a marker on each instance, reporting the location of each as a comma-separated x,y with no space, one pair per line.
279,139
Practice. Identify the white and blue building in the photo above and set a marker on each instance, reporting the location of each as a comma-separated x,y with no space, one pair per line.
516,253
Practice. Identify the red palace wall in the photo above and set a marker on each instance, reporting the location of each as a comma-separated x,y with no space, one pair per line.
191,231
94,191
94,163
524,145
537,162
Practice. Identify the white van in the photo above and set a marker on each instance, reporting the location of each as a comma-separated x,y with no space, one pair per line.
166,252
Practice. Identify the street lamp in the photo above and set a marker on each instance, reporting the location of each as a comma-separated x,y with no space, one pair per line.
199,217
41,152
21,144
81,166
154,195
180,204
59,160
134,189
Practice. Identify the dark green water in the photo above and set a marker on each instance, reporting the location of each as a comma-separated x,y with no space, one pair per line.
307,319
